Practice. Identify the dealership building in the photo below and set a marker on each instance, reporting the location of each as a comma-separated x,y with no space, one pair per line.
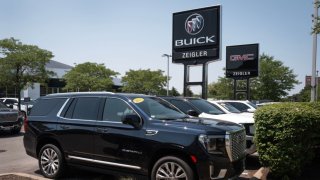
54,84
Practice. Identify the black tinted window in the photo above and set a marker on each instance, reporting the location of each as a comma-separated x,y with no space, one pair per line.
205,106
2,105
45,106
183,106
240,106
86,108
115,109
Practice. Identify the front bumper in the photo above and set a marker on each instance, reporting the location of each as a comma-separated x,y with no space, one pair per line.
217,168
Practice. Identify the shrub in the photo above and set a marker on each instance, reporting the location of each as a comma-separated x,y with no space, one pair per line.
285,136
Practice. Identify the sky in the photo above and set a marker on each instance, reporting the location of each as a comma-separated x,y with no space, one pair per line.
126,34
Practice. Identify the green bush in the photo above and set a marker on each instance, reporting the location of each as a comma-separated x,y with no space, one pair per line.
285,136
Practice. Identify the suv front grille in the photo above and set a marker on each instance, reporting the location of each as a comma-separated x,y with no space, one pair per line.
236,144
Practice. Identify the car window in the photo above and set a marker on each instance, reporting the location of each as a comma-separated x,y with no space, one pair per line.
229,107
44,106
205,106
2,105
251,104
157,108
11,101
86,108
115,109
240,106
182,105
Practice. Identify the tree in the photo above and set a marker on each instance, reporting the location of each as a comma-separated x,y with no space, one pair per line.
174,92
221,89
275,79
22,65
273,83
189,92
144,81
304,95
316,27
89,77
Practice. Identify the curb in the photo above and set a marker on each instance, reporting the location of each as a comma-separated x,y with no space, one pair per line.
20,176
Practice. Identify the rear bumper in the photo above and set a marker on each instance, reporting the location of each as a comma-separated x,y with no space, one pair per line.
10,125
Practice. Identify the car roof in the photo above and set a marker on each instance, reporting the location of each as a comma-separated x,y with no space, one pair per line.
102,93
178,97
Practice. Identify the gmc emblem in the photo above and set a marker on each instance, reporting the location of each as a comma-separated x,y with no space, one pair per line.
244,57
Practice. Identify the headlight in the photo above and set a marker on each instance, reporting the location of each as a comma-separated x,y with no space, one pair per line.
213,144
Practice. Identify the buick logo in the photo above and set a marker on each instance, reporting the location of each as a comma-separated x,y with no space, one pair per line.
194,24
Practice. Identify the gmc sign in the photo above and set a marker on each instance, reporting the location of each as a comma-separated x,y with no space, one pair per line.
242,61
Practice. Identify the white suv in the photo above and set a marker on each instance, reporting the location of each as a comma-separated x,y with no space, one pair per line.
9,102
205,109
242,105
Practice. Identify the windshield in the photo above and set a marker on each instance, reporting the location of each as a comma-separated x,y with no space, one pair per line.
158,108
2,105
205,106
253,105
229,107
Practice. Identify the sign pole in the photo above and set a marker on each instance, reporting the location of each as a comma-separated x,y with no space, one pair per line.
205,80
248,89
235,89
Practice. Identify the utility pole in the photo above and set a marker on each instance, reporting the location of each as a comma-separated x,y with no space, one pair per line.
168,57
314,54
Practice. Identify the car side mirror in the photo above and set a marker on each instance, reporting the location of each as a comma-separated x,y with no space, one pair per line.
251,110
193,113
132,119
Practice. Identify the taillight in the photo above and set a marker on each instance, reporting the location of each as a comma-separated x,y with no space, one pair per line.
25,123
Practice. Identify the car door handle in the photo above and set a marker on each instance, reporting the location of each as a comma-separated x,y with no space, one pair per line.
102,130
64,127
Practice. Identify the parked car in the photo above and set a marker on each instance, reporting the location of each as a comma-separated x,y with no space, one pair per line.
24,106
229,109
202,108
131,133
9,102
10,119
243,106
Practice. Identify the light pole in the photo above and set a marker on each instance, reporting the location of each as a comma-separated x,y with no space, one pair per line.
314,54
168,57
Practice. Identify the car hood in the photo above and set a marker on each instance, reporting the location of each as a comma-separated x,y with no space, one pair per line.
236,118
199,125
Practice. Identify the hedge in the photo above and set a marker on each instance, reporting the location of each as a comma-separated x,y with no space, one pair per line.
286,135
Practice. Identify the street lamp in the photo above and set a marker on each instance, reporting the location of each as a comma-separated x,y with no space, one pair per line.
168,57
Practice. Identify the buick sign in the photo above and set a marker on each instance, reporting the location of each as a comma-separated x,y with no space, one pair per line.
196,35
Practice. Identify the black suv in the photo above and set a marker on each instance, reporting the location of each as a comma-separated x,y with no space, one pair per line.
130,133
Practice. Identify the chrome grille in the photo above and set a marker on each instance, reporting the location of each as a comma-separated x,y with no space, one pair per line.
236,144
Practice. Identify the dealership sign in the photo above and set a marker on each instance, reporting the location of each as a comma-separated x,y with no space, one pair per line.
242,61
196,35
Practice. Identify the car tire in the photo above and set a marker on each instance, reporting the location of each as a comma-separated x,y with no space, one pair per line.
51,161
171,167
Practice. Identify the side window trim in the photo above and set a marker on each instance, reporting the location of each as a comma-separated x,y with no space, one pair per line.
63,108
